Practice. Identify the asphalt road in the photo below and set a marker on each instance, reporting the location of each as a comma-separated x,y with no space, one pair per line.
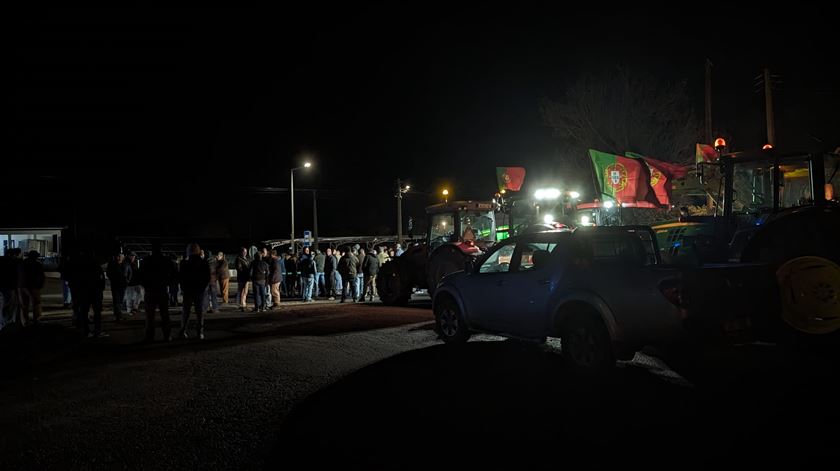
367,386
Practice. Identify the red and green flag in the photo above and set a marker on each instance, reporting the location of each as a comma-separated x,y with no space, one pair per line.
510,178
624,179
705,153
662,176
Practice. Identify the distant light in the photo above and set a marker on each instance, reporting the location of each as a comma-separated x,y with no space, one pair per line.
307,164
574,194
445,192
408,187
608,204
503,191
547,194
720,143
585,220
548,219
767,147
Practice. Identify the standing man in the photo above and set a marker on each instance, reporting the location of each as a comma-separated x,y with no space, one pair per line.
259,273
243,277
156,275
33,283
118,272
360,276
370,267
173,286
382,255
195,276
66,297
320,284
307,274
275,277
223,275
87,280
330,265
134,291
265,257
8,289
211,295
291,274
348,267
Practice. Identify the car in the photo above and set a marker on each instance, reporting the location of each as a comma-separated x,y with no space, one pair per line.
602,290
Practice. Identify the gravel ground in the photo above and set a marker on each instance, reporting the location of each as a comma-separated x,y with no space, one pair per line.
200,405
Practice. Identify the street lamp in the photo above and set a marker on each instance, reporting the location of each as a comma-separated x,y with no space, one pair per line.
445,194
292,193
401,190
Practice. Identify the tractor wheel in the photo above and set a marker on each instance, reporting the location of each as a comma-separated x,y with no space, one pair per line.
391,283
809,288
444,260
802,252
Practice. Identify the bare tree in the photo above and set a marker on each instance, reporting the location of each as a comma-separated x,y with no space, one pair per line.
622,110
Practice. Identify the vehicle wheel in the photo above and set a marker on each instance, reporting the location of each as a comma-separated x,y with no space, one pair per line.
809,288
444,260
585,343
449,322
391,285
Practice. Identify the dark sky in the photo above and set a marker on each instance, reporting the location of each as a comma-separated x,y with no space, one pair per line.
154,120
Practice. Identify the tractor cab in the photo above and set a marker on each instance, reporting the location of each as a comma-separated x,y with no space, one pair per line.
546,209
467,222
758,185
752,190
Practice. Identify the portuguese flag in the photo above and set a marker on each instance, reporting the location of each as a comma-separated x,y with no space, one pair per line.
705,153
510,178
625,179
662,176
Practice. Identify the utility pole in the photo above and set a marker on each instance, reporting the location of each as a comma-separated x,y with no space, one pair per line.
292,195
399,195
768,105
399,211
708,101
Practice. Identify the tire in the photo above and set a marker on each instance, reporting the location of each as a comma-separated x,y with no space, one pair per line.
801,251
444,260
586,344
449,321
391,285
809,288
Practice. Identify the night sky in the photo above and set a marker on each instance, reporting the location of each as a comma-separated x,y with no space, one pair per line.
157,121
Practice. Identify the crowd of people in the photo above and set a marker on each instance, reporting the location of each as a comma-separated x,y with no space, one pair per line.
197,281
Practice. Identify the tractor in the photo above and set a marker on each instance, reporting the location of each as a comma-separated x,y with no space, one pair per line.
546,209
778,221
458,232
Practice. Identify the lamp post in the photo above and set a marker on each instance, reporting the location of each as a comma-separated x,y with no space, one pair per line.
445,194
401,190
292,193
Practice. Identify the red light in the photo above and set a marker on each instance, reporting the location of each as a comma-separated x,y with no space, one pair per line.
720,142
767,147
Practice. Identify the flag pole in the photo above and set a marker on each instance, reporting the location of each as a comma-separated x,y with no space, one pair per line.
598,193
